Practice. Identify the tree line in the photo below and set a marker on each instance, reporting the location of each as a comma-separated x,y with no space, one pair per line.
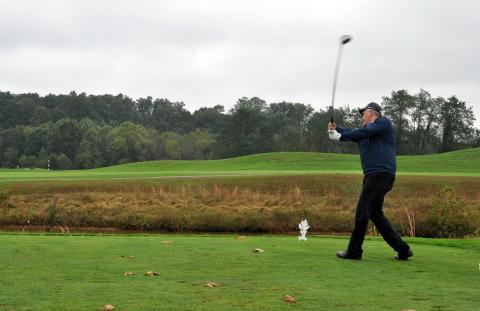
87,131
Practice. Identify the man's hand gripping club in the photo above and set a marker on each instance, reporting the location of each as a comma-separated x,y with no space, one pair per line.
332,133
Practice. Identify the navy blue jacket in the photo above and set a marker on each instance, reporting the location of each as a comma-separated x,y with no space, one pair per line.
377,145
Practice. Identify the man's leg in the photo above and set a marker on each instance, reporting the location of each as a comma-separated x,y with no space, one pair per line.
371,193
381,222
389,235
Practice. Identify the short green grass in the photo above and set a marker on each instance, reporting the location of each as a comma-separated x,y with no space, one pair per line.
459,163
85,272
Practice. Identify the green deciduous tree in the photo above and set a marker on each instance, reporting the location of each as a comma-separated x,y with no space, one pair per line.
41,160
247,130
130,143
27,161
65,137
196,145
61,162
288,121
10,157
425,117
211,119
456,120
101,130
12,138
171,143
171,116
88,153
36,138
398,107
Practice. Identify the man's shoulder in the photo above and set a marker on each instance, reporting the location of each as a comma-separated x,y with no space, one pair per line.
385,121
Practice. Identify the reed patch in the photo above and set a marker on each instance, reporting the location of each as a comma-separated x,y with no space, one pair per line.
231,204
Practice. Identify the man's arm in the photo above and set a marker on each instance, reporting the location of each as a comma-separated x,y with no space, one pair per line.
342,130
373,129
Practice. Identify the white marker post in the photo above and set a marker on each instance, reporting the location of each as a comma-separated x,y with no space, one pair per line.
303,226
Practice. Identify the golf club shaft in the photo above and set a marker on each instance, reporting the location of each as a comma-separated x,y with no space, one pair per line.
337,66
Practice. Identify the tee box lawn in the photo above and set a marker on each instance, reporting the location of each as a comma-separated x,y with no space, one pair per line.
86,272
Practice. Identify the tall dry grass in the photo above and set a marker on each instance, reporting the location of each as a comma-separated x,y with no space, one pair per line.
227,204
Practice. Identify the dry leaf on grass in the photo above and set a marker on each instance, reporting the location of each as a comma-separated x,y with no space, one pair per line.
211,284
289,299
166,242
128,273
151,273
128,257
108,308
241,237
257,250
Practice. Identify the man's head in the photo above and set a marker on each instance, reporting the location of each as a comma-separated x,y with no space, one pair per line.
370,113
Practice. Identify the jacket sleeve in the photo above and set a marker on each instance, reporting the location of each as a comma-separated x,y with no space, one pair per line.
342,130
373,129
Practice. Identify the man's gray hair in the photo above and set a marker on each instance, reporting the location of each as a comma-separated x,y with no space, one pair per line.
376,113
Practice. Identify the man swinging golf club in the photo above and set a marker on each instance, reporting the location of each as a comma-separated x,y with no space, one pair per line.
376,141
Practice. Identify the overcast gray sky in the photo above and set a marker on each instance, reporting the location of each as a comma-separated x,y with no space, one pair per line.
212,52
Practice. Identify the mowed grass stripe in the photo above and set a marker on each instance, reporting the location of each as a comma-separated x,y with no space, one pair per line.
458,163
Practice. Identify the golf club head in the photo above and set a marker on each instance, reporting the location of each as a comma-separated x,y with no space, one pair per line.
345,39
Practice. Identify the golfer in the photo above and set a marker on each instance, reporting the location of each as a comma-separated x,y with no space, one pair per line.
376,142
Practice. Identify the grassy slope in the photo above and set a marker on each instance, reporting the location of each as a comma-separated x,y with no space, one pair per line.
462,163
86,272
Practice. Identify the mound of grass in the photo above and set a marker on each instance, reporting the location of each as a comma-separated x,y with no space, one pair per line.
277,161
459,163
44,272
465,161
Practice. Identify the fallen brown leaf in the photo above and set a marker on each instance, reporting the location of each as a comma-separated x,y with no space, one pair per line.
151,273
241,237
211,284
108,308
128,273
289,299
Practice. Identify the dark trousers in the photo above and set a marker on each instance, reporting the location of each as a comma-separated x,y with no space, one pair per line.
370,204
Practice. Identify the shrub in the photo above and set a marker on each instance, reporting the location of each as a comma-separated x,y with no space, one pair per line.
27,161
447,217
63,162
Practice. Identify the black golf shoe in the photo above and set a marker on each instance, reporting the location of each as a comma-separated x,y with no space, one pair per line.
404,255
346,255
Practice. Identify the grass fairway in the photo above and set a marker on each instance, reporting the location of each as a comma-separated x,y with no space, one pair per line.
458,163
62,272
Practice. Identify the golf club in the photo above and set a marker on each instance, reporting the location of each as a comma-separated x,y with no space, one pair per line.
342,40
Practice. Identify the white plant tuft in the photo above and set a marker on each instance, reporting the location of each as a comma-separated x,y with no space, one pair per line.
303,226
